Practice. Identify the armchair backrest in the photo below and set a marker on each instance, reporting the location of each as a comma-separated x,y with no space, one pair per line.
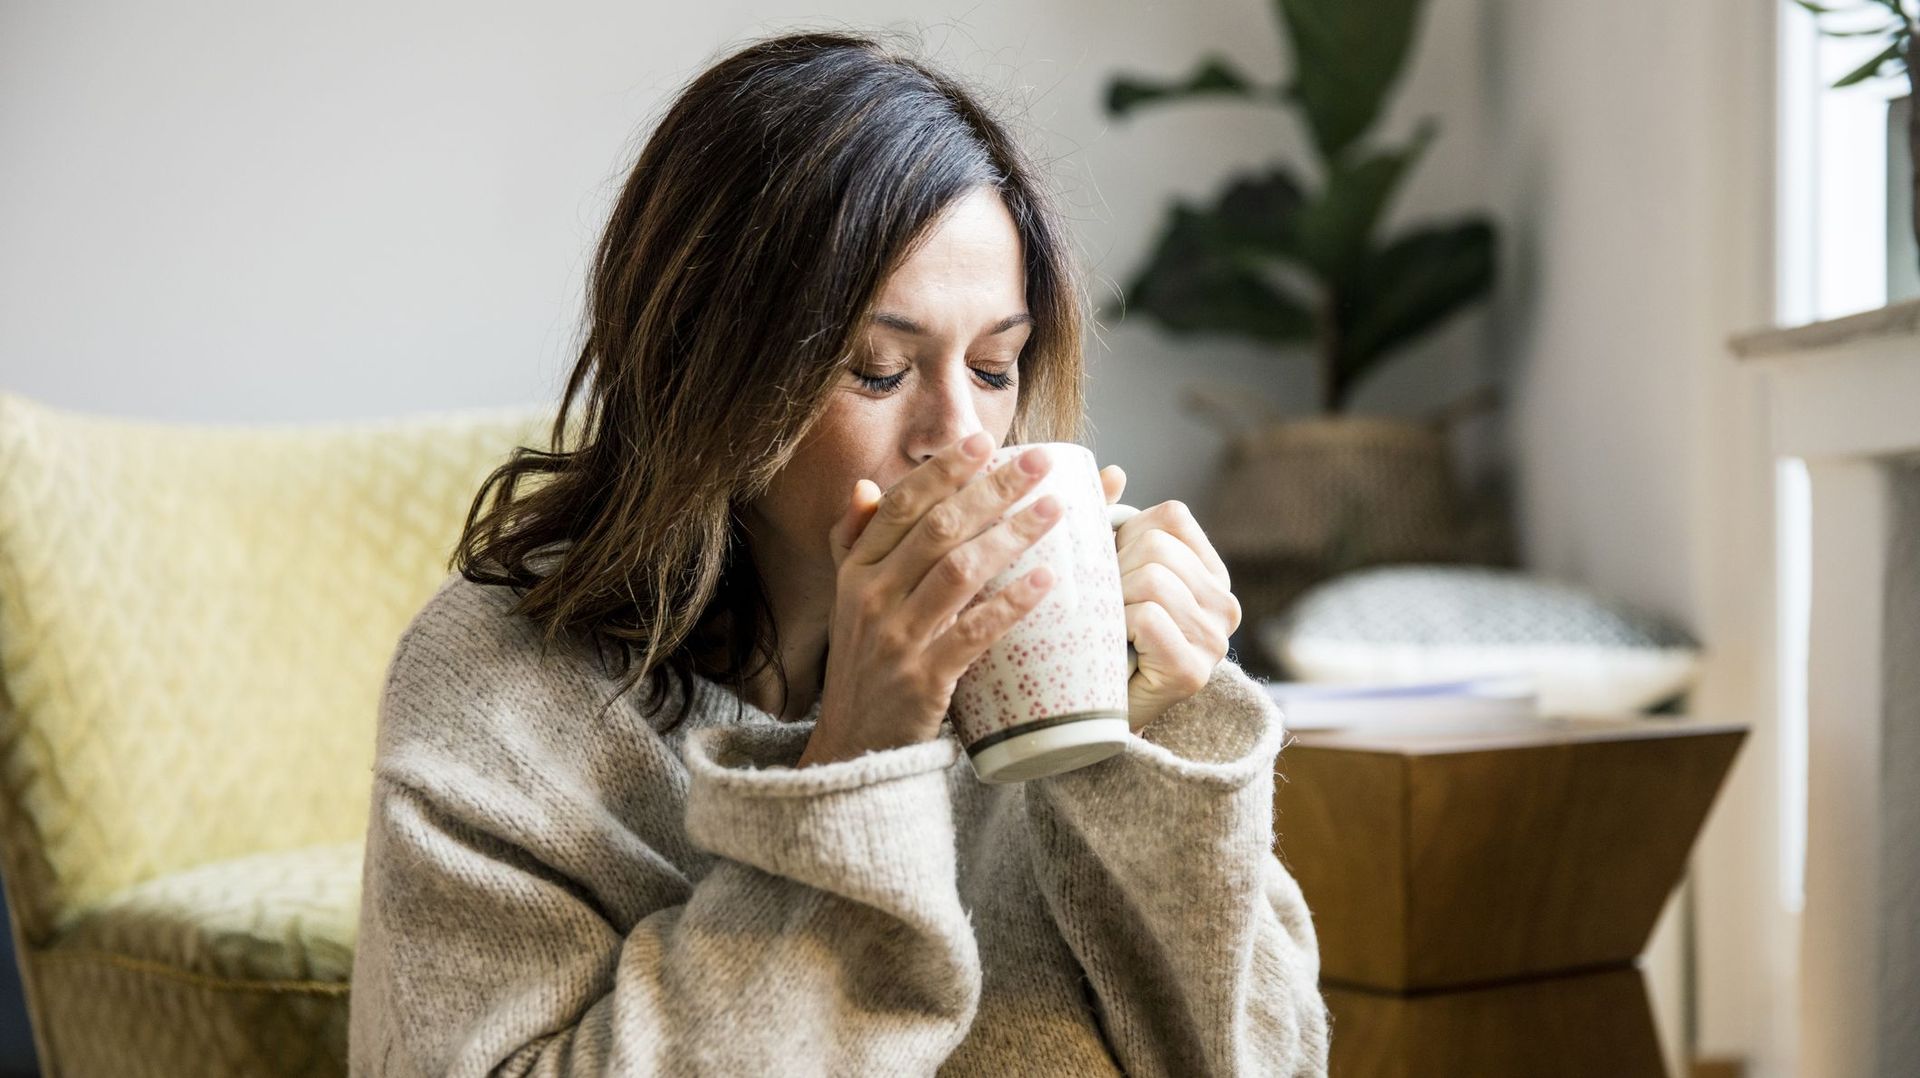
195,624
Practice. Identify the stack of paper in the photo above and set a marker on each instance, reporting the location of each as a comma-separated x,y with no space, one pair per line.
1326,705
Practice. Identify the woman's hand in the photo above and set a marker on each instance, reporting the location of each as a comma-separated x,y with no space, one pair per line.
1180,609
906,564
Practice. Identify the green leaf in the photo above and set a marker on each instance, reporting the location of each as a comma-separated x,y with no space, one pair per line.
1194,283
1346,56
1214,76
1407,288
1866,71
1890,28
1336,228
1259,213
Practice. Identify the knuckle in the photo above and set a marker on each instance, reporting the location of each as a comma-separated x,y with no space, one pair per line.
973,632
943,522
891,640
871,602
1159,581
1218,645
958,466
896,506
1010,481
1032,526
958,566
1158,544
962,474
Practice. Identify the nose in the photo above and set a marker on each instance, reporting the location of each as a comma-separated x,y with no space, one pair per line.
943,414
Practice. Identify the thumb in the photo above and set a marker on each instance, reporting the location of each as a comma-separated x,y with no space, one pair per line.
853,520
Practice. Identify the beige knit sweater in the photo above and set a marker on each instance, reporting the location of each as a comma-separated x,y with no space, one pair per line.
551,893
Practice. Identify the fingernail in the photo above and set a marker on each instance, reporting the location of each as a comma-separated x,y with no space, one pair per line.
1033,461
976,444
1046,508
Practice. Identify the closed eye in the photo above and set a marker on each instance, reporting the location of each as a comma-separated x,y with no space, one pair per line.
891,382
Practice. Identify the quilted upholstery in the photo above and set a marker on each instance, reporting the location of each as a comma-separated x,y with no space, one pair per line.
289,915
195,623
119,1019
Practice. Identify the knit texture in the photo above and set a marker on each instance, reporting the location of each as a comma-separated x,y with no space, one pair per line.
550,890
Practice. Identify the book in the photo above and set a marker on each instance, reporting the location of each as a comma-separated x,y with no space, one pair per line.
1330,705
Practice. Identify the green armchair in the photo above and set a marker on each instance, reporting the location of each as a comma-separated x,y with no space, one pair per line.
195,623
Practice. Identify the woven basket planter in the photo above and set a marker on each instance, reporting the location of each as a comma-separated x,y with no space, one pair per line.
1296,501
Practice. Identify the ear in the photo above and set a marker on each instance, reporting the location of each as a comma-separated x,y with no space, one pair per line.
1114,480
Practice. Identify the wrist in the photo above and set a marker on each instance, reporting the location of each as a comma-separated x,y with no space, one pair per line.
817,753
829,744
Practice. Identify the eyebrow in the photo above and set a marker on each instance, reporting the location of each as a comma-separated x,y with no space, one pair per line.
907,325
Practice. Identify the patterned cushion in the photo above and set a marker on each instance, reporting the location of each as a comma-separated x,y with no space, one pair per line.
1420,622
285,916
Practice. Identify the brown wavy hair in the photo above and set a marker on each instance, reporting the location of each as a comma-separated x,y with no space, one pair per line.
775,195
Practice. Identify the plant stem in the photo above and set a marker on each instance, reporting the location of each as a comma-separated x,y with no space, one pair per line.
1913,121
1327,344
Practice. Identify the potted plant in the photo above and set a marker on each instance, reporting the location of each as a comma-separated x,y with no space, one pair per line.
1899,34
1302,264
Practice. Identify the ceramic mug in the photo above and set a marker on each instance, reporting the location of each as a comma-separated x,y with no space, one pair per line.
1051,694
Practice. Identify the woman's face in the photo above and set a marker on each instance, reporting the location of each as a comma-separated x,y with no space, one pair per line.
939,358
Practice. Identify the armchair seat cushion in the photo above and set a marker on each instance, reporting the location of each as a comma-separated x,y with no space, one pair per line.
283,917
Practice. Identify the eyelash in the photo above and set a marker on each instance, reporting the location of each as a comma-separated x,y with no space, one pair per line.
892,381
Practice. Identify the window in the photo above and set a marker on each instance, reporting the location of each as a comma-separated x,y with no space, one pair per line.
1833,171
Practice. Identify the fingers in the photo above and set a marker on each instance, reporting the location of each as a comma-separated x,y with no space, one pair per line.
1169,665
974,631
902,505
1154,545
1170,553
960,574
1113,480
965,514
1204,627
1176,520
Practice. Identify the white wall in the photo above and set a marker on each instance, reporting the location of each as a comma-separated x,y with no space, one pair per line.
237,211
1633,161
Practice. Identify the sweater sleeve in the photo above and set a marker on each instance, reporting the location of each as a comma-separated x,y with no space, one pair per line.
1157,865
826,935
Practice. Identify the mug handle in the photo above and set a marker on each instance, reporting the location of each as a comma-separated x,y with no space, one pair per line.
1117,514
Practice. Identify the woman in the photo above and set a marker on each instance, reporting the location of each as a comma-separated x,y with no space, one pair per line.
830,275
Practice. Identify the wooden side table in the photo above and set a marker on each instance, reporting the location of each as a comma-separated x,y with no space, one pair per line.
1482,892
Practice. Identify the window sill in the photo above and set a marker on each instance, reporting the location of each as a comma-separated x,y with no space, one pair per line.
1896,323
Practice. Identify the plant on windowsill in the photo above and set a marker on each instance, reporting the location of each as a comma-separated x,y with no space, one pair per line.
1900,56
1303,266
